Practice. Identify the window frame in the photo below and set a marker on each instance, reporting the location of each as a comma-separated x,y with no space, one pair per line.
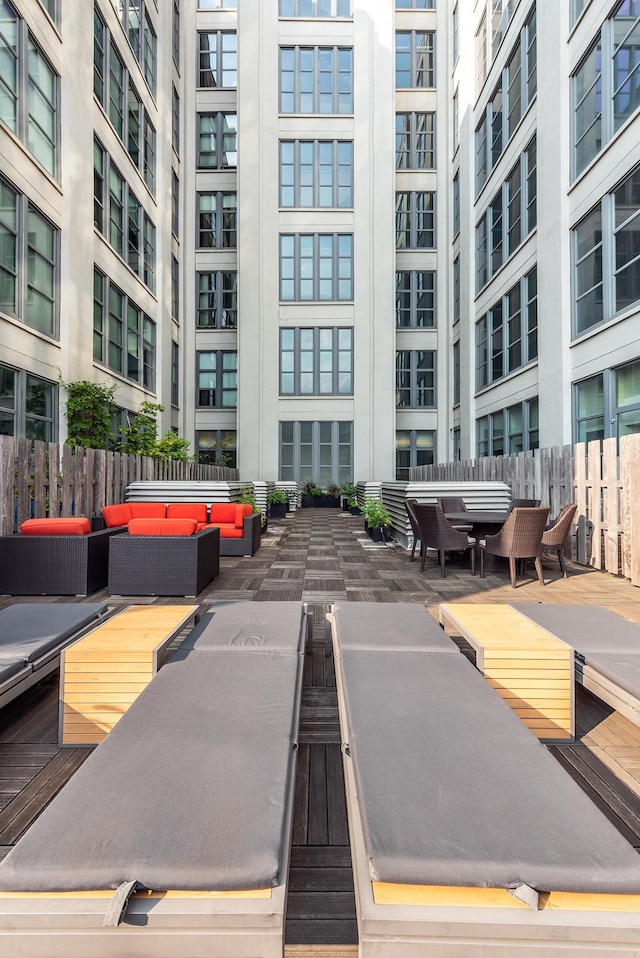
224,220
114,334
414,449
228,316
410,394
310,358
413,136
313,435
316,175
415,288
217,57
498,331
218,369
339,95
217,135
338,267
419,77
410,234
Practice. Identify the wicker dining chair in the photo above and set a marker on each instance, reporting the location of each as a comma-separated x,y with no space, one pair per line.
455,504
554,538
415,528
519,538
523,504
436,532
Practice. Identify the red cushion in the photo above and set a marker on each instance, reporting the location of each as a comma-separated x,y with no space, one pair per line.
117,515
242,509
147,510
187,510
227,530
222,512
58,526
162,527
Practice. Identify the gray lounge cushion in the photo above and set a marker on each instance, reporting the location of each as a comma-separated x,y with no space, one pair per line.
389,626
247,625
28,630
623,670
189,791
453,789
586,628
10,667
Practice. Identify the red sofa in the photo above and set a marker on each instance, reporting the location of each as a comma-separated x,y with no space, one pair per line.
240,527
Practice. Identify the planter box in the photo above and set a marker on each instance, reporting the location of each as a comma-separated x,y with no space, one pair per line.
354,510
376,533
277,510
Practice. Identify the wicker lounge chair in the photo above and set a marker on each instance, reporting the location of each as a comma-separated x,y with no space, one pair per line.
32,637
164,564
554,538
519,538
54,564
467,837
186,807
436,532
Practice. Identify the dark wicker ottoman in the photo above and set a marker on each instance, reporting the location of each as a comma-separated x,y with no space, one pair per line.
54,565
163,565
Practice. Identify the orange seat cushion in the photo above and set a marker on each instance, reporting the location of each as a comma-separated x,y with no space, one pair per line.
147,510
187,510
117,515
162,527
229,512
228,530
58,526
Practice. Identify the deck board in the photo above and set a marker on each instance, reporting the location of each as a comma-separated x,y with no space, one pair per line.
316,556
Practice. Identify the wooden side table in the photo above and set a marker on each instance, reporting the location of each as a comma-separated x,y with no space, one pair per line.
529,668
103,673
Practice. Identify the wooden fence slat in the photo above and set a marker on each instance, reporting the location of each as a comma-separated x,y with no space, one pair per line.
611,497
630,474
7,483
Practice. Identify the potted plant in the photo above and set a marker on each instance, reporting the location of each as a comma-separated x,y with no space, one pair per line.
348,492
332,496
307,495
316,496
247,497
376,520
353,507
277,503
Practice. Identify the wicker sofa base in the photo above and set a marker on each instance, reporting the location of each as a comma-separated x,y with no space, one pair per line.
54,565
163,565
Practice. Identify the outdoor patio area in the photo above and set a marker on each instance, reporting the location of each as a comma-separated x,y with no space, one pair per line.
318,556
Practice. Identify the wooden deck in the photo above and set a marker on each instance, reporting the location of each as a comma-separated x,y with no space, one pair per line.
318,556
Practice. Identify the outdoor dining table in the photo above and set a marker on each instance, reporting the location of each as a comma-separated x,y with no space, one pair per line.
483,522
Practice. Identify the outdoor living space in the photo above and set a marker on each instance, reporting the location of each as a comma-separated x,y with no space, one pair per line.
319,557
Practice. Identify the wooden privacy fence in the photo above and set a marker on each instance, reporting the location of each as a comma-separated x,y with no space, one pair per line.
604,483
47,479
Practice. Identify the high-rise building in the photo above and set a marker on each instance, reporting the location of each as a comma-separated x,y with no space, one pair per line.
333,238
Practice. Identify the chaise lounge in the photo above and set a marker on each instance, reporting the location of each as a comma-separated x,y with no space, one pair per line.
32,636
173,837
468,838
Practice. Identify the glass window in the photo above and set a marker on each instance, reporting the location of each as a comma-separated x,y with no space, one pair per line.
415,299
99,55
42,108
626,241
8,248
322,451
316,362
175,121
316,80
217,220
116,91
588,278
415,141
316,267
315,8
627,392
217,447
589,409
415,378
218,59
124,337
217,373
415,59
42,256
40,405
217,300
175,289
316,173
507,334
7,401
415,221
217,140
414,447
175,374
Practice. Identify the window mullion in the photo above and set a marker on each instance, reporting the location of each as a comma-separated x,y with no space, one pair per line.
608,255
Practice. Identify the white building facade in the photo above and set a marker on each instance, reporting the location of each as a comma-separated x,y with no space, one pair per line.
333,238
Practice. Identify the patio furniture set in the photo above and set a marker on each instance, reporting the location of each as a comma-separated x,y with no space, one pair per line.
521,533
466,835
145,548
